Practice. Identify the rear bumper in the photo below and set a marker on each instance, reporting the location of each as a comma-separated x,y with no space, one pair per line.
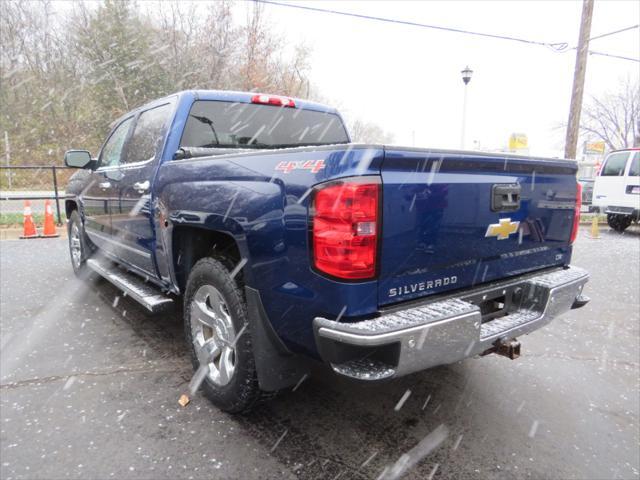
628,211
420,335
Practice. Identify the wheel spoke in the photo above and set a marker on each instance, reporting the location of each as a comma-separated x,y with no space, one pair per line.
204,315
226,365
218,308
207,352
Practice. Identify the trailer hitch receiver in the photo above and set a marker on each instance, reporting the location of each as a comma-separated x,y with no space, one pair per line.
508,348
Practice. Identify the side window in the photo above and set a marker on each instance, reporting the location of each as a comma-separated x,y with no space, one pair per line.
148,134
615,165
634,169
112,149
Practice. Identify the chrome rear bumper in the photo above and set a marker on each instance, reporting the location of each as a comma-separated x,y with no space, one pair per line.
414,337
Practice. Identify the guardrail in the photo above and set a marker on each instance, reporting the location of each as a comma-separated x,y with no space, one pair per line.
32,186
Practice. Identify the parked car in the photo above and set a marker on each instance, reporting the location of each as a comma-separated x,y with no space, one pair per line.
290,245
617,188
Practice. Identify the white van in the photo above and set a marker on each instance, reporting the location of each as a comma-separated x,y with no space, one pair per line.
617,188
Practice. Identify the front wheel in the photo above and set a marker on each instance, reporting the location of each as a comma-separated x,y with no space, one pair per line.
618,222
79,245
216,327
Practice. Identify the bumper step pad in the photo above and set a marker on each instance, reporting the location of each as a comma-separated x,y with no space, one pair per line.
504,324
393,321
364,369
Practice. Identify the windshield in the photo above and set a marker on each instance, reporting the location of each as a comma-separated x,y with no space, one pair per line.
246,125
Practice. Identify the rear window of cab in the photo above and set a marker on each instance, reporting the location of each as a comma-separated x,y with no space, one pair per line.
246,125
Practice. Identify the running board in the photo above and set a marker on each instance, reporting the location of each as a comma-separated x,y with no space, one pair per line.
133,286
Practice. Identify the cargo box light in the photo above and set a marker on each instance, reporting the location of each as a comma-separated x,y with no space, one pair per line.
273,100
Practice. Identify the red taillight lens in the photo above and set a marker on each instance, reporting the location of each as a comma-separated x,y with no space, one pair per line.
345,229
576,215
273,100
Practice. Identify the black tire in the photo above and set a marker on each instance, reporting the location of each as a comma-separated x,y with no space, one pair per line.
618,222
86,247
242,391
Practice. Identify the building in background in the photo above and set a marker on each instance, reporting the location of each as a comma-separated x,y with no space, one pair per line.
590,158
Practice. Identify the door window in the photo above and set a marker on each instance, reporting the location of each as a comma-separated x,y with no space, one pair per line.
615,164
112,149
148,134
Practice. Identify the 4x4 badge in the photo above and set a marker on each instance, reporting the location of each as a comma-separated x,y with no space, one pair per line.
503,229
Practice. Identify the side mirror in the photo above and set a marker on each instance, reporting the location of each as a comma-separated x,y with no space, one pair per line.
78,159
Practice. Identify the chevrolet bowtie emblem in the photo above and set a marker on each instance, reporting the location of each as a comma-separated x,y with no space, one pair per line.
503,229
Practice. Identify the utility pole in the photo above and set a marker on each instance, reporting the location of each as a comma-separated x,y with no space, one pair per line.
573,125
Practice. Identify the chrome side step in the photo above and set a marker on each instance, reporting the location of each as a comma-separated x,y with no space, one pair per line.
135,287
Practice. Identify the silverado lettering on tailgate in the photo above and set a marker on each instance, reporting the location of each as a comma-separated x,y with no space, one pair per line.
422,286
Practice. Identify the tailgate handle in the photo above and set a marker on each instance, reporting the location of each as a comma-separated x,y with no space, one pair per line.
505,197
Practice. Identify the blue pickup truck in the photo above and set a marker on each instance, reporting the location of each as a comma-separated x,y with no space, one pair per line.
289,246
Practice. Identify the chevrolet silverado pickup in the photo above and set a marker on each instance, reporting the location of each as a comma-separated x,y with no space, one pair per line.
291,246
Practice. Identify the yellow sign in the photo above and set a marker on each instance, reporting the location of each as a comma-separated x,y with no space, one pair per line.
518,141
594,147
503,229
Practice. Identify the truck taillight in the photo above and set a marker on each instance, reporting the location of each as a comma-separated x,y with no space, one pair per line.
576,214
344,235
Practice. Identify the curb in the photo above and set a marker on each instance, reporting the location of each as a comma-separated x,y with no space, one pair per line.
16,233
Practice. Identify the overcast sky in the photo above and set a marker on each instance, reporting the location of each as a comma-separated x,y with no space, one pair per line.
407,79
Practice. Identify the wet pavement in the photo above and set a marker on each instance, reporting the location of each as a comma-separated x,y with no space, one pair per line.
89,388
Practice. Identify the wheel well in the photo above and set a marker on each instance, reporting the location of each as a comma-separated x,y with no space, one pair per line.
69,207
190,244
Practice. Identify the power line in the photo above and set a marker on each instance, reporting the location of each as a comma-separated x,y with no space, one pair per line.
614,32
560,46
591,52
555,46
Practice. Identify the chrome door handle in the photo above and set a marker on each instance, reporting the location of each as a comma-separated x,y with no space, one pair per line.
104,185
141,187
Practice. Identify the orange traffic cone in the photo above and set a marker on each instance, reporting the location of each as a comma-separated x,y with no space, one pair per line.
29,228
49,222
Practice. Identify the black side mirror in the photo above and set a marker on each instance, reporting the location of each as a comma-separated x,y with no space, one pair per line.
78,159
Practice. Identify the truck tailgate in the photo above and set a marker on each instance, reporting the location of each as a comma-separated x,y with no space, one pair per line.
452,220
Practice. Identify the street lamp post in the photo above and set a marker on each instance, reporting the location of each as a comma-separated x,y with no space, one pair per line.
466,78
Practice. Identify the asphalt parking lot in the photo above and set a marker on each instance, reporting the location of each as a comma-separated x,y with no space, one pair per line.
89,388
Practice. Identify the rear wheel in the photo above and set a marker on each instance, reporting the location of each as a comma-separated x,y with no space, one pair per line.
618,222
216,327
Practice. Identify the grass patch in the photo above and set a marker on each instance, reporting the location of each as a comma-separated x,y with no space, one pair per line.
15,219
588,217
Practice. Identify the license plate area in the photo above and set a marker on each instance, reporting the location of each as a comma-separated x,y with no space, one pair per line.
502,301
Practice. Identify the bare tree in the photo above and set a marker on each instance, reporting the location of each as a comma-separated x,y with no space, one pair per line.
614,117
367,132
